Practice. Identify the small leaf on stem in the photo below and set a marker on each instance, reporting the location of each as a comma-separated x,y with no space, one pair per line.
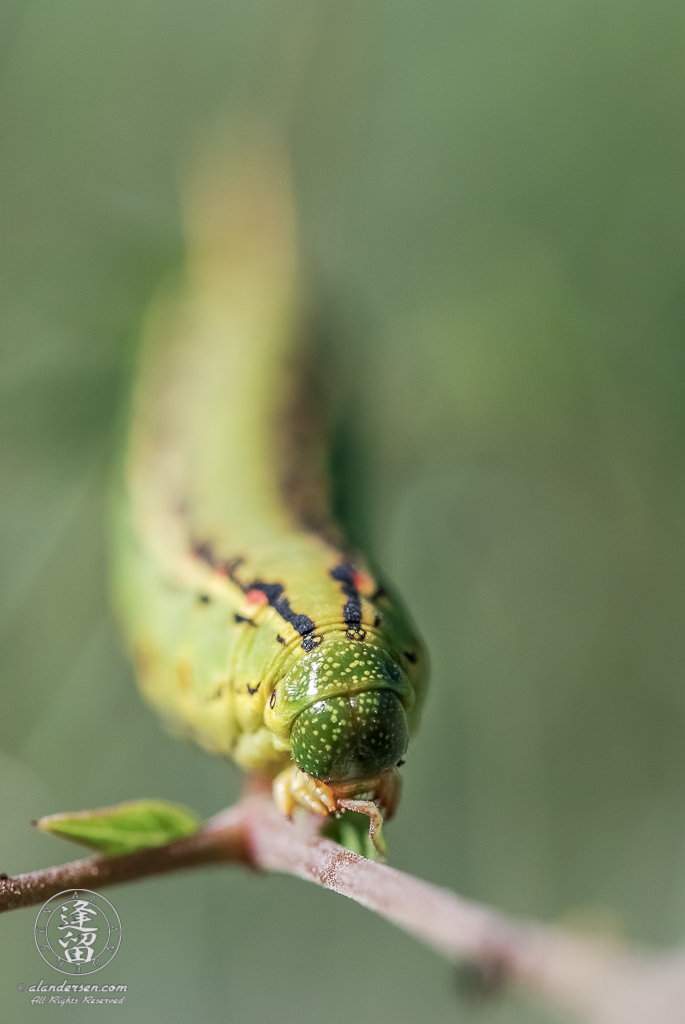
125,828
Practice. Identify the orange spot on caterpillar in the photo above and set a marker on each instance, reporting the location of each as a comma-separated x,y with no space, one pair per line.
256,597
143,659
184,674
364,582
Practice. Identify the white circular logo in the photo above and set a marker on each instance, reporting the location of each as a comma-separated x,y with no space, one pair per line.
77,931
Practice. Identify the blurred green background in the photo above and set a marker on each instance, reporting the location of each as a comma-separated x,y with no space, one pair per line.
491,199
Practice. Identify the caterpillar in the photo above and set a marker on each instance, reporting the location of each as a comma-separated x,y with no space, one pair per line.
255,629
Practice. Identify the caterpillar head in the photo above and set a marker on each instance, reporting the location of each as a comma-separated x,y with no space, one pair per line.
343,709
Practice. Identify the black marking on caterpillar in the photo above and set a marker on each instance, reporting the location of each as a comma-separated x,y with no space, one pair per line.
205,552
203,598
229,567
410,656
241,618
310,642
253,689
352,611
272,699
377,621
273,592
280,639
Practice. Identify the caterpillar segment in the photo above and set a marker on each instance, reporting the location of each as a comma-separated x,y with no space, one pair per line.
254,628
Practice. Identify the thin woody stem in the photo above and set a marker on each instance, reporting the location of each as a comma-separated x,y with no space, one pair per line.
211,846
603,983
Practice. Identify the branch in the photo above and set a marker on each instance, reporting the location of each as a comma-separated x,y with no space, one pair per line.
600,982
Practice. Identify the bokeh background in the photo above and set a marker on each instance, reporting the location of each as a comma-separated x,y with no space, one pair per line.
491,202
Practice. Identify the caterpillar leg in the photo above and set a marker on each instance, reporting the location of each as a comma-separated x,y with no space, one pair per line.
293,788
384,791
388,793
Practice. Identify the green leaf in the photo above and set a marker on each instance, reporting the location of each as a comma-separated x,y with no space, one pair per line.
125,828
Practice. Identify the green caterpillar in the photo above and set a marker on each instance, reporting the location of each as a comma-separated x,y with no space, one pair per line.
253,627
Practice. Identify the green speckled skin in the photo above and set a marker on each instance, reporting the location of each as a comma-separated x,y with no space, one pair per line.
326,737
238,617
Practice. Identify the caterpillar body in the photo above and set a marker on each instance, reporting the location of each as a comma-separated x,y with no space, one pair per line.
253,626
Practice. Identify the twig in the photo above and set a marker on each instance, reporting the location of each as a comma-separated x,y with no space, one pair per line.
602,983
210,846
